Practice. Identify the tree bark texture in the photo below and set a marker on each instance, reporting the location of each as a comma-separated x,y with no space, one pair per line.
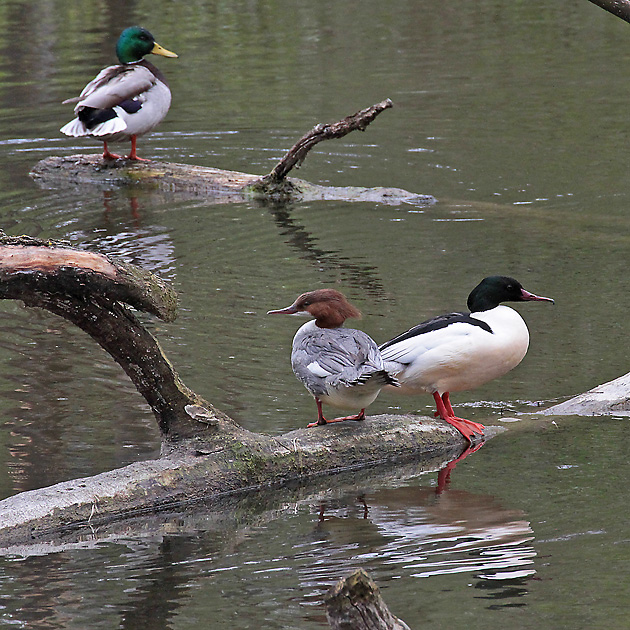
356,603
620,8
205,453
91,291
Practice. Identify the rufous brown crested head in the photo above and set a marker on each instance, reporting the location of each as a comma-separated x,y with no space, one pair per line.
329,307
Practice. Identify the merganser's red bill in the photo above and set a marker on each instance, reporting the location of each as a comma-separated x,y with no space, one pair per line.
289,310
526,296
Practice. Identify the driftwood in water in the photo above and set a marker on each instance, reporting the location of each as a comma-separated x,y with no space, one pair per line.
355,603
609,399
227,186
205,453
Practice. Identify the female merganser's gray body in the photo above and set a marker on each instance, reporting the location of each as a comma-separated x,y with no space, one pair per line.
460,351
337,365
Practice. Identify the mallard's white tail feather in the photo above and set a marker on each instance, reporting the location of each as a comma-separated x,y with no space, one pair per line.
76,128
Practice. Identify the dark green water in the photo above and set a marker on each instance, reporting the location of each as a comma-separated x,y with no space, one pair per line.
513,115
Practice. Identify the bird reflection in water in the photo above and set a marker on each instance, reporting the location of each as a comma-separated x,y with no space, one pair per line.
431,531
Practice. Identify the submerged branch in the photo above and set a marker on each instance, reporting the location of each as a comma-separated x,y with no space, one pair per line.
609,399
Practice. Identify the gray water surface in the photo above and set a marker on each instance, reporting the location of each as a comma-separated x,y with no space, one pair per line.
513,115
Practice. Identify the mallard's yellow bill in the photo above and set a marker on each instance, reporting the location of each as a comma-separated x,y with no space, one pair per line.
160,50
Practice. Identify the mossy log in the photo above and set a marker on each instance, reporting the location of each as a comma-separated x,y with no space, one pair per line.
227,186
356,603
205,453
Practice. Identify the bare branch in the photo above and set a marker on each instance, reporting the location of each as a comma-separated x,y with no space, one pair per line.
296,154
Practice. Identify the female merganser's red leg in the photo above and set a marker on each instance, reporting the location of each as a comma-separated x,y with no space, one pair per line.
107,154
467,428
133,155
321,420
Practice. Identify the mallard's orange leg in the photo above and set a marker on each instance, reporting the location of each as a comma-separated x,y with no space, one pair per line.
133,155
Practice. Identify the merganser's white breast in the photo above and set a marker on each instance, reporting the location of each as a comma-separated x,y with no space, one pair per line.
457,351
340,366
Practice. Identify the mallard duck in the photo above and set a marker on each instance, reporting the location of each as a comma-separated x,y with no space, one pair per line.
123,101
461,351
337,365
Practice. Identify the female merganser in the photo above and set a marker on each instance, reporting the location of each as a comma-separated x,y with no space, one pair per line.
123,101
460,351
339,366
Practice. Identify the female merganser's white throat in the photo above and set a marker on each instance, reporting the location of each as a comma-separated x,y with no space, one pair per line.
460,351
337,365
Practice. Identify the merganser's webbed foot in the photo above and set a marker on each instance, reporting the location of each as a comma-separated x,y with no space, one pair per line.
321,421
358,417
467,428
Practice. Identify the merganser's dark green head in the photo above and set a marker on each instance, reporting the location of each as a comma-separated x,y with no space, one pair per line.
135,42
493,290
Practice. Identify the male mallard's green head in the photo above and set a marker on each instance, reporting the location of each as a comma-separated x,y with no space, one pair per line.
135,42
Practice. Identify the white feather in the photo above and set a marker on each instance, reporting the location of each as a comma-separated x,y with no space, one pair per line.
460,356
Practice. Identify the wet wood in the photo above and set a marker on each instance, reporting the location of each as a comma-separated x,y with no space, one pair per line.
205,453
609,399
221,186
620,8
238,463
356,603
227,186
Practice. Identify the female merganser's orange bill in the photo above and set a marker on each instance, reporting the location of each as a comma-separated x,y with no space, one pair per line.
460,351
339,366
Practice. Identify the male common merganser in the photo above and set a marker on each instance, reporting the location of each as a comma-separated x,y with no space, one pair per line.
460,351
123,101
339,366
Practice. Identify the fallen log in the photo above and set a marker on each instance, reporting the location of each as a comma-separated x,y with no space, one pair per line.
227,186
609,399
356,603
204,452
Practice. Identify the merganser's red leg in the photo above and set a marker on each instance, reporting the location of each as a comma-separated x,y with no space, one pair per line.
447,404
107,154
467,428
321,420
133,155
